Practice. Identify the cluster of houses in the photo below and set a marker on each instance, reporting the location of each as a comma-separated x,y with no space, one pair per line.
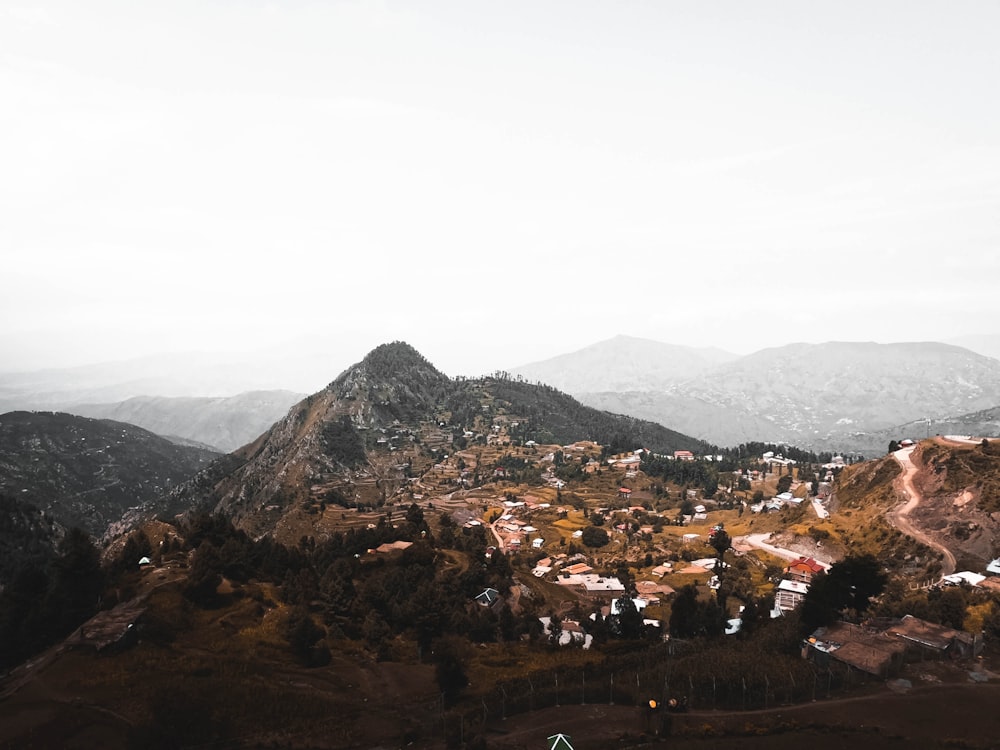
775,503
515,531
989,580
878,647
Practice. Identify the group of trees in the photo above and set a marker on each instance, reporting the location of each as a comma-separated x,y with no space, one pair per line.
846,590
42,604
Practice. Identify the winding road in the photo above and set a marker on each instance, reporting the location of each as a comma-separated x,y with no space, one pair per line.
900,515
745,543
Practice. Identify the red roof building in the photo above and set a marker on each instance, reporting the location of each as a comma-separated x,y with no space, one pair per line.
803,569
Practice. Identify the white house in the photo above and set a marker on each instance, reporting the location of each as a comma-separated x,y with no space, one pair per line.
789,594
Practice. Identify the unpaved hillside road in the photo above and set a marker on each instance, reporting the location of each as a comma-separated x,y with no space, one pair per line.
745,543
900,515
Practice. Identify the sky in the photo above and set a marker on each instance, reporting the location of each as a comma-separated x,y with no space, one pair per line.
494,183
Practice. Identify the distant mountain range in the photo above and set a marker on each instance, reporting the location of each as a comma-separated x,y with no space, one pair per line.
624,363
816,396
842,396
222,424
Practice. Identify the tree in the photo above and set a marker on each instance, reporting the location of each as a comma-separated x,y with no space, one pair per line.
303,636
594,536
858,578
75,582
690,616
555,628
950,605
205,576
720,541
849,585
449,669
414,515
628,622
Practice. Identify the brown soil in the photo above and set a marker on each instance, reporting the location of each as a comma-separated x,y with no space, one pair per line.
948,520
900,517
938,716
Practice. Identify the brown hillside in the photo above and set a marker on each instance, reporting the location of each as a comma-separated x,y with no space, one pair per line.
961,488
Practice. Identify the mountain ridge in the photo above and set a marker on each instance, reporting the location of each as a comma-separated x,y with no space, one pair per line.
88,472
815,395
223,423
623,360
357,439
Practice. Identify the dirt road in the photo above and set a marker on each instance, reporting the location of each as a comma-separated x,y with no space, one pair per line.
745,543
900,515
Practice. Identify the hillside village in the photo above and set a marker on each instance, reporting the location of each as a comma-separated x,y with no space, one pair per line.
651,540
440,531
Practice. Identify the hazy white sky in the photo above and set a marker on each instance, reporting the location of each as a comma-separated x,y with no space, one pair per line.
495,183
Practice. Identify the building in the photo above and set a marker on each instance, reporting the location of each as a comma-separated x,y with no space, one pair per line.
803,569
789,594
938,640
861,648
488,597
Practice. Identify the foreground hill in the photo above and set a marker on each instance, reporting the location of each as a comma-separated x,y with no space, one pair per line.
223,423
818,396
88,472
335,642
389,418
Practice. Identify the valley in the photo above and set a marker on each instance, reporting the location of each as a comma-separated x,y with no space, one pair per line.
404,559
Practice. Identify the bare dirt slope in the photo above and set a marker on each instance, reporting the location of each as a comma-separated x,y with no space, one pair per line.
900,517
951,489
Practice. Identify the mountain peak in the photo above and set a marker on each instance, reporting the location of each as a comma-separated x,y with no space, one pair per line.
389,366
390,359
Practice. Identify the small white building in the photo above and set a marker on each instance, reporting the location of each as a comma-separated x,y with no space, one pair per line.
789,594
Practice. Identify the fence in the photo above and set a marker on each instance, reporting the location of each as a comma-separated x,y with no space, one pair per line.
663,683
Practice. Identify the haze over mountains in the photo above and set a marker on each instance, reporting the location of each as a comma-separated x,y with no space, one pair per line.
842,396
624,363
817,396
221,423
359,530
